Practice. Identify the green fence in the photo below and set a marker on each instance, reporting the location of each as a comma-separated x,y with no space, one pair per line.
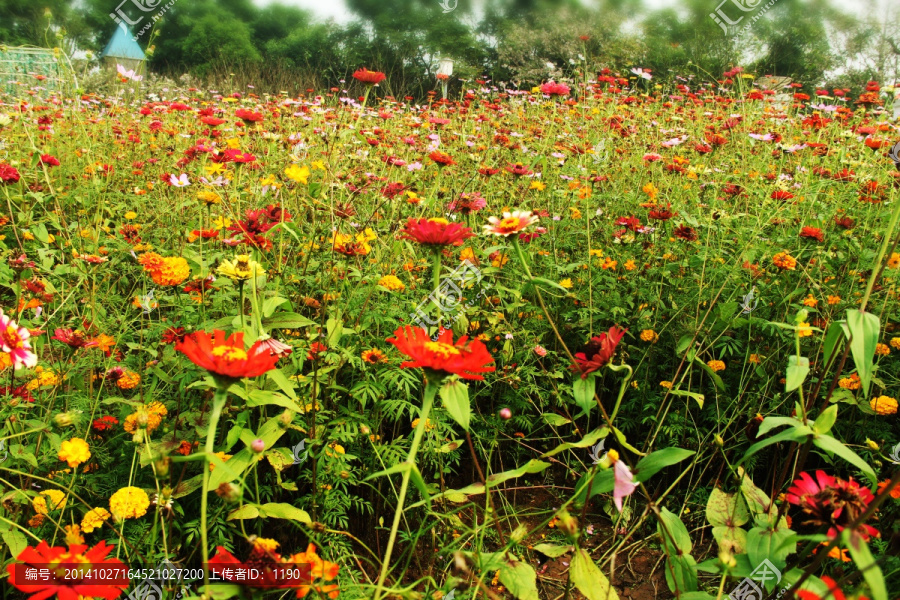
23,68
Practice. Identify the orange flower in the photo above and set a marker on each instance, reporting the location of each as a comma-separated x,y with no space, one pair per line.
785,261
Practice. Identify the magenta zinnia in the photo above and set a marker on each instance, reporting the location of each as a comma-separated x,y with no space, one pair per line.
435,232
14,341
831,501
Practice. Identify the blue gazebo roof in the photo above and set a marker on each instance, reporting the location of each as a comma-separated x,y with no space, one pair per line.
122,45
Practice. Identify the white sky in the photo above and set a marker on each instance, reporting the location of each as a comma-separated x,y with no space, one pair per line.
337,9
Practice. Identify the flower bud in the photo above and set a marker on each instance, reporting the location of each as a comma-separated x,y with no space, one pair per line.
873,446
258,446
518,534
64,419
720,442
229,492
365,430
162,466
727,559
286,418
505,413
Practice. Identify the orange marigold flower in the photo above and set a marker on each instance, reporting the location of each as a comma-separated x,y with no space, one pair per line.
785,261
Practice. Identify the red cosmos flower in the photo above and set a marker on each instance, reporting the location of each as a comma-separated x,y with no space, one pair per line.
8,174
555,89
782,195
247,116
60,562
444,357
435,232
831,501
105,423
812,233
369,77
50,161
598,352
226,358
441,158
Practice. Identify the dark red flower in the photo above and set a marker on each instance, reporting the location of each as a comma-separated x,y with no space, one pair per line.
64,566
247,116
435,232
105,423
19,391
73,339
782,195
369,77
464,358
49,160
632,223
659,213
518,169
173,335
598,352
315,350
226,357
844,222
683,232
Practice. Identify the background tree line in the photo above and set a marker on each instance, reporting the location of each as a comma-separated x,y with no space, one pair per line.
519,41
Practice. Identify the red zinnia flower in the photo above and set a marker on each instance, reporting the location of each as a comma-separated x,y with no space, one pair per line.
247,116
62,563
782,195
315,349
834,592
73,339
104,423
435,232
831,501
683,232
50,161
226,357
8,174
441,158
845,222
598,352
812,233
555,89
464,358
661,214
369,77
173,335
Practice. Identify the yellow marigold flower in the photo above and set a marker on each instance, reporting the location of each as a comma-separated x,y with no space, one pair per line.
428,424
629,265
221,222
129,503
895,343
334,449
832,300
73,535
785,261
804,330
884,405
47,501
266,545
149,416
850,383
467,254
716,365
810,301
297,173
240,269
666,384
574,212
130,215
882,349
94,519
208,197
392,283
566,283
538,185
648,335
43,377
609,264
221,455
596,252
74,451
128,381
651,191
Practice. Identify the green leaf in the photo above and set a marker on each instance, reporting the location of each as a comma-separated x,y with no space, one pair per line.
830,444
834,335
278,377
766,543
550,283
670,525
726,510
770,423
863,332
794,434
455,396
282,510
588,440
826,420
797,370
620,437
654,462
552,550
681,574
683,343
247,511
866,564
15,540
589,579
700,398
730,539
520,579
287,320
267,397
583,390
532,466
555,420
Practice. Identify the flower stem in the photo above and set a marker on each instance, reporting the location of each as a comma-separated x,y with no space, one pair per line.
219,399
430,391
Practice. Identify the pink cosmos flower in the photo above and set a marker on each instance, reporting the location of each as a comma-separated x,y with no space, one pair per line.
624,483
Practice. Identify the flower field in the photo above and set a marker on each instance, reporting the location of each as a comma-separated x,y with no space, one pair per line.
345,345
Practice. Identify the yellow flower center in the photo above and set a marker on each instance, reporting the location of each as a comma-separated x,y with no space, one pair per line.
229,353
11,337
439,221
441,349
510,223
